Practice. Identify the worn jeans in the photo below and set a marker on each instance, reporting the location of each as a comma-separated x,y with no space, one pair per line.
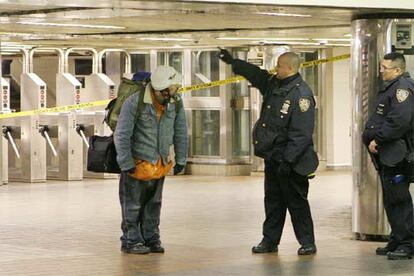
141,210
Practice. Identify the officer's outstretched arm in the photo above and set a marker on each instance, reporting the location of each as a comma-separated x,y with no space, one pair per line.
259,78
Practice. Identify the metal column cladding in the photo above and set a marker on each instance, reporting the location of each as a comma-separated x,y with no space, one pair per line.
372,38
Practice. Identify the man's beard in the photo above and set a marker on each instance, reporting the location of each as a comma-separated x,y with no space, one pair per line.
161,99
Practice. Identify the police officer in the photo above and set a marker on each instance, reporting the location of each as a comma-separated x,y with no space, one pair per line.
387,134
283,137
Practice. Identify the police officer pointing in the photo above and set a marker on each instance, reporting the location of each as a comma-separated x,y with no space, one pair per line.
283,137
388,136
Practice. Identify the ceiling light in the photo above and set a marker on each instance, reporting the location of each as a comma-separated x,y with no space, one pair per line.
333,39
348,35
165,39
337,44
261,38
284,14
67,25
288,42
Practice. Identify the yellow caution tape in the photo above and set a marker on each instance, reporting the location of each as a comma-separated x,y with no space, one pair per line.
181,90
54,109
239,78
324,60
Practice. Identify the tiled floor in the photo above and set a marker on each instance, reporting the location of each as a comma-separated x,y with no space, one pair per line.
208,227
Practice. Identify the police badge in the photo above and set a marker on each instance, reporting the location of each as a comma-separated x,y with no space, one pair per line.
402,95
304,104
285,107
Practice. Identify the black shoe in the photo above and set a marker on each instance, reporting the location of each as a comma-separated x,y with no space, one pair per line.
308,249
156,248
263,248
383,251
400,254
139,248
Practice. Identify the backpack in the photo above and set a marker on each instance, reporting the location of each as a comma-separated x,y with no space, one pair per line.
126,89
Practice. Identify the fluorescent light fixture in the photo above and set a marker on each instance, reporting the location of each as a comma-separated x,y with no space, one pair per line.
288,42
165,39
262,38
67,25
333,39
9,50
285,14
337,44
348,35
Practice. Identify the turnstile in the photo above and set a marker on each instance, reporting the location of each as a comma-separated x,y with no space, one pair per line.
64,144
25,131
64,154
98,86
30,164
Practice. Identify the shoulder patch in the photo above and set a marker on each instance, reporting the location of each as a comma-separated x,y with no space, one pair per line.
402,95
304,104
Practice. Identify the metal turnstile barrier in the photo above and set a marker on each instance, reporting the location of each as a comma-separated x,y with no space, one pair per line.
64,151
26,149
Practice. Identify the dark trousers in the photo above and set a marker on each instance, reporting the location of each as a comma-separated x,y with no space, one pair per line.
141,210
286,193
398,206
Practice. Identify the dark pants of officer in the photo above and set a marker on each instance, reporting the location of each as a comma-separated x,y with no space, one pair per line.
141,210
286,193
398,207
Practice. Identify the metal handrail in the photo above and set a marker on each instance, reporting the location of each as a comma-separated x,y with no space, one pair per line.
39,49
127,59
75,49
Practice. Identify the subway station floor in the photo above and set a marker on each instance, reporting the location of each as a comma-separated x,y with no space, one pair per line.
208,227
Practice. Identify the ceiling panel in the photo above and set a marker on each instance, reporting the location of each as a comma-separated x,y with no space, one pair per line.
130,24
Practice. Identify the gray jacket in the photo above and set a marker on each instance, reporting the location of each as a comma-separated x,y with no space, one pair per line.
149,139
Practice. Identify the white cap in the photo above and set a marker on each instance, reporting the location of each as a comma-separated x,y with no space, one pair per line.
164,76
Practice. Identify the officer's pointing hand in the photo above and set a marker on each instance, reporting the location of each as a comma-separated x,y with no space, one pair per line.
373,147
225,56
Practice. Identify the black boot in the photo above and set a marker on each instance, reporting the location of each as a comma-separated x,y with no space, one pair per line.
307,249
383,251
138,248
156,248
264,248
400,254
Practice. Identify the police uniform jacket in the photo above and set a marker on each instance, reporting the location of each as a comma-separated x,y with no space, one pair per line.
284,129
393,116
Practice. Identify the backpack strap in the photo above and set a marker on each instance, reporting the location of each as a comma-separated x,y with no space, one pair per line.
141,104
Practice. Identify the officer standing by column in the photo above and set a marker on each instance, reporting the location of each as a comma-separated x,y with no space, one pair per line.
283,137
387,134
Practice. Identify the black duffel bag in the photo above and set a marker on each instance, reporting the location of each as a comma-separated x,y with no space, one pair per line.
102,155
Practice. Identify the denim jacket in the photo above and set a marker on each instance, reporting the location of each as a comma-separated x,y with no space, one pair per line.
149,139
